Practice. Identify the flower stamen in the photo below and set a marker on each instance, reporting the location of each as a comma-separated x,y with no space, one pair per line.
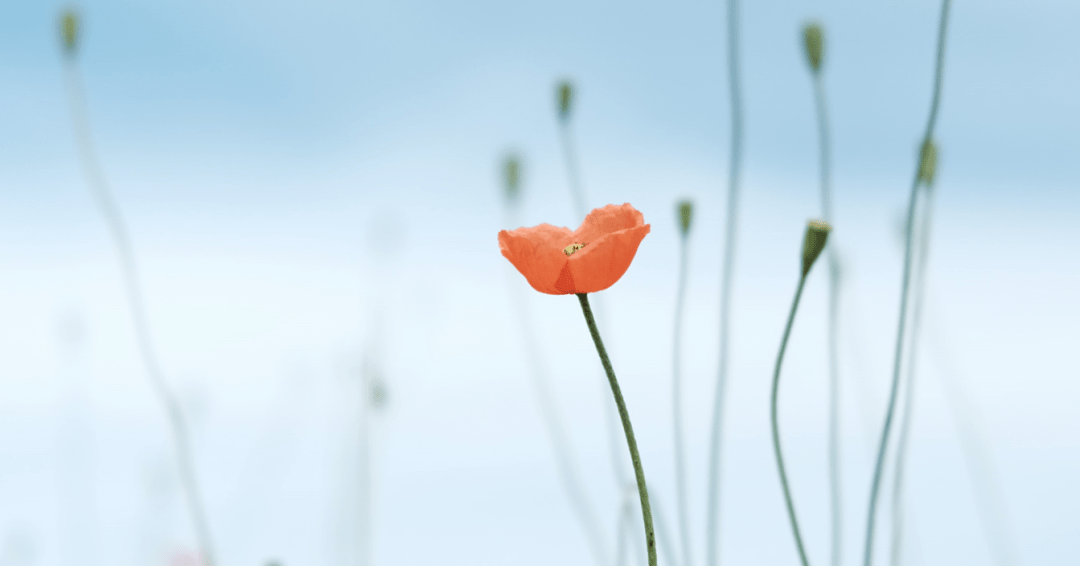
569,250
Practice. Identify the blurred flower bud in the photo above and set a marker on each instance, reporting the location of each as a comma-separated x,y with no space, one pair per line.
686,213
927,162
378,394
512,177
817,231
814,42
566,96
69,31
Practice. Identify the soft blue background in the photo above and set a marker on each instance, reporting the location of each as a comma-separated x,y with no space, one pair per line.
293,173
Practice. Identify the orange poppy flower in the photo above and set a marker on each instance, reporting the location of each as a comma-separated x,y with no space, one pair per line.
592,258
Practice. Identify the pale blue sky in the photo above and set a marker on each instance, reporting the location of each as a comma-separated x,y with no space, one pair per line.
256,147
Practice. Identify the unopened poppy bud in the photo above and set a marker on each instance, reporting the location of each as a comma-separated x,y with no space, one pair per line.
817,231
566,97
927,162
686,213
814,43
69,31
378,394
512,172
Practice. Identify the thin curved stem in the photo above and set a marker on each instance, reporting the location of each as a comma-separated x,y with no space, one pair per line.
624,415
776,425
113,218
905,283
909,390
676,390
560,444
835,490
712,518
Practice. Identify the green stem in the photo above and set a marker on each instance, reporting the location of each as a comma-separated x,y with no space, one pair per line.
875,487
776,425
835,491
712,502
110,210
624,415
909,390
676,389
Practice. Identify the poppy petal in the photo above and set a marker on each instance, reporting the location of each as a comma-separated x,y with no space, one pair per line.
601,263
607,220
537,253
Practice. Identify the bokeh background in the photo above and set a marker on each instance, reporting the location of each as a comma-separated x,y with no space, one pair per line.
314,189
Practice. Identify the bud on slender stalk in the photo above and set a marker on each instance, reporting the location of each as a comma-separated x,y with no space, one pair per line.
512,177
814,42
566,97
927,162
686,212
69,31
817,231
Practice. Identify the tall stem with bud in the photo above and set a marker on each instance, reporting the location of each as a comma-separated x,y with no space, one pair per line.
69,33
814,44
875,486
817,234
685,211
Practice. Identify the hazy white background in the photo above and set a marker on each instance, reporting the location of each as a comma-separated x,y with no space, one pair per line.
300,177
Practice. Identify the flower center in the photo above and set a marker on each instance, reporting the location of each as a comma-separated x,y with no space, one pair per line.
569,250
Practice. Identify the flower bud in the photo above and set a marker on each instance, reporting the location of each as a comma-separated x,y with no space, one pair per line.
814,43
927,162
512,177
817,231
566,96
686,212
69,31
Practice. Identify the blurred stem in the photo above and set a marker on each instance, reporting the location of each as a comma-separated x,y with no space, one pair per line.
573,173
712,503
905,283
776,425
909,389
835,491
676,386
624,415
564,458
113,218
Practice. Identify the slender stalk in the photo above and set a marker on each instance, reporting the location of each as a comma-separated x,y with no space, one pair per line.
905,283
835,491
971,430
776,425
113,218
676,387
624,415
564,458
909,389
573,172
712,520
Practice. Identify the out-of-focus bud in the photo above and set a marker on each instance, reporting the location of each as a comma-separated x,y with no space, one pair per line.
512,177
686,214
927,162
817,231
69,31
814,43
566,98
378,394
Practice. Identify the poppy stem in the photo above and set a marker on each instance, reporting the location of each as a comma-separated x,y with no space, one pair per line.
624,415
776,426
110,211
879,465
676,394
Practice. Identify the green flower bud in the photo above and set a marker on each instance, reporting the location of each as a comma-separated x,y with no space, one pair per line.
686,212
512,177
817,231
566,96
814,43
69,31
927,162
